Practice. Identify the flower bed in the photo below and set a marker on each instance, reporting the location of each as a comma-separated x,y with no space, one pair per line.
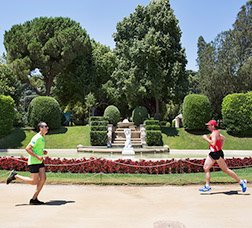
93,165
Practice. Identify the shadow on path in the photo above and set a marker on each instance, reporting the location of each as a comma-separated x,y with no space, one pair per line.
229,193
49,203
58,202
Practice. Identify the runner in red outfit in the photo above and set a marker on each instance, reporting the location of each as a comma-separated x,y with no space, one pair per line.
216,142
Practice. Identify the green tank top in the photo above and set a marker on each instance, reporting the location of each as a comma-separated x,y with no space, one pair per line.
38,145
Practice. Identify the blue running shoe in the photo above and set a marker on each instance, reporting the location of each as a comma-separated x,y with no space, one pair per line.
205,189
244,185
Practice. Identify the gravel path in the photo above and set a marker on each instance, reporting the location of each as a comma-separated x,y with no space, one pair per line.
126,206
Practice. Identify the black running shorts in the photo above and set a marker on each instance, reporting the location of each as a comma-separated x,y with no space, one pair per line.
35,168
216,155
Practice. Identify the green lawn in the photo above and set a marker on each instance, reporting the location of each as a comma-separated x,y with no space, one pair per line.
70,137
66,137
137,179
178,138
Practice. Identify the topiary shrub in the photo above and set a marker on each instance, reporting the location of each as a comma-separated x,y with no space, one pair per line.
139,115
45,109
154,138
153,133
7,114
153,127
237,113
99,128
97,118
98,138
151,122
99,123
168,124
98,133
196,112
112,114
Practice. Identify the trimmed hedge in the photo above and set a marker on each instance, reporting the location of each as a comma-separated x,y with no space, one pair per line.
151,122
98,128
196,112
99,123
112,114
7,114
98,138
97,118
46,109
237,113
153,127
154,138
153,133
139,115
98,133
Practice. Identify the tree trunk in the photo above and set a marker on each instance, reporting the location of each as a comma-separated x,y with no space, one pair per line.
157,105
48,85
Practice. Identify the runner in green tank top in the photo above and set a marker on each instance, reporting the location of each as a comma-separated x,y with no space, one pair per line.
36,166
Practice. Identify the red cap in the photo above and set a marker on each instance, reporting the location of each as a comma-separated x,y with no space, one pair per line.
212,122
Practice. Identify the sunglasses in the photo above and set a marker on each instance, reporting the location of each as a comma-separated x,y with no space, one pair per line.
45,126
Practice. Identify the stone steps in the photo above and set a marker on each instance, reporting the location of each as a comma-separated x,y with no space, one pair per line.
121,145
124,139
120,134
120,138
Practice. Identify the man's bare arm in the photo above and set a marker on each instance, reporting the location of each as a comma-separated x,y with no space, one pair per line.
30,151
211,141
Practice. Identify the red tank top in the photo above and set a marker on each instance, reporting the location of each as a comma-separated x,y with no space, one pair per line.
217,147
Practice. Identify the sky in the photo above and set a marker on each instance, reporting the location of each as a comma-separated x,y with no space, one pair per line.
205,18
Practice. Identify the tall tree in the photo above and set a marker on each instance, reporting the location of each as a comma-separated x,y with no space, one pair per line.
82,79
9,84
225,63
194,82
104,64
48,44
151,61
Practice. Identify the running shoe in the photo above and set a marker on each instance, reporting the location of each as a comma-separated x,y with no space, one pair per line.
205,189
243,185
36,202
11,177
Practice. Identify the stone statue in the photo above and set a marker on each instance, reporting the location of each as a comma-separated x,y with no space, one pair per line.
128,149
127,133
109,134
143,134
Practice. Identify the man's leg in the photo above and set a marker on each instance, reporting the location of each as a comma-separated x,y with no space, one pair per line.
222,164
209,162
40,184
33,180
207,166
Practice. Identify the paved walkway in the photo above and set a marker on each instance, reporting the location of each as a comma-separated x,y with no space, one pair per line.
125,207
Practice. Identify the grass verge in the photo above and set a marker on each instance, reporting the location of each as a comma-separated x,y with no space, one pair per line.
65,137
137,179
178,138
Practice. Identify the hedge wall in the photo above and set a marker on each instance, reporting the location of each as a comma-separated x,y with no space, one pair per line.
237,113
7,114
196,112
153,133
98,131
46,109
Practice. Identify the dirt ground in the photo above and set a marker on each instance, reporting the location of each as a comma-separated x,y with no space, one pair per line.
125,206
